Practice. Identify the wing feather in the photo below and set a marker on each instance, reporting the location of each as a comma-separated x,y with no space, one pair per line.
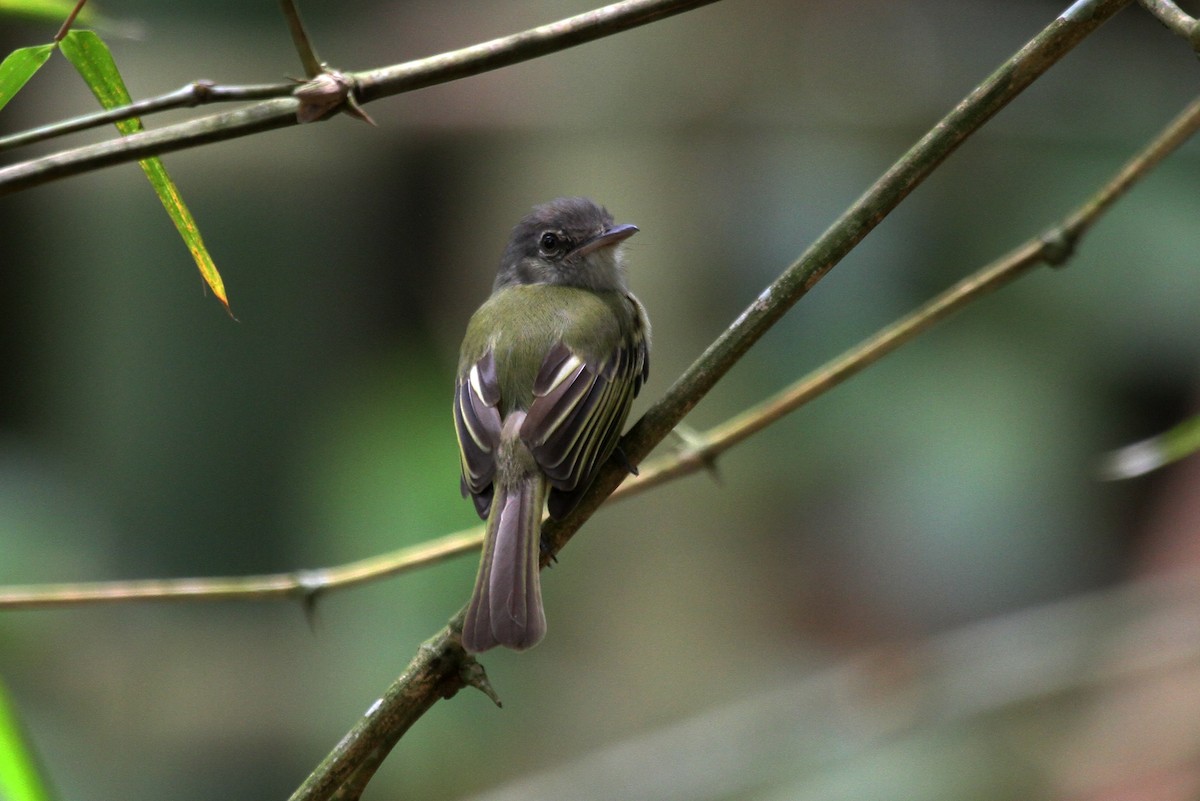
477,423
578,411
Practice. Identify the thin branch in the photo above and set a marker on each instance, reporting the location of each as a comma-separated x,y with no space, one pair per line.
1052,248
1049,657
69,21
301,584
370,85
265,116
194,94
441,667
1172,16
1013,76
303,44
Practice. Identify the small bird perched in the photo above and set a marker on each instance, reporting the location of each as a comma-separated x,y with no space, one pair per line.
548,370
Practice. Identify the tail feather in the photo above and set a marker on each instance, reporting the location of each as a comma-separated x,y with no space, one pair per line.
506,606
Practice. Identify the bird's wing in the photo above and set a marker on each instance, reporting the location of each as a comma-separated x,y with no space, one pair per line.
477,422
577,413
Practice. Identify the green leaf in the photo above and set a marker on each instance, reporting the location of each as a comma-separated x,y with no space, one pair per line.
92,59
19,779
18,67
1151,454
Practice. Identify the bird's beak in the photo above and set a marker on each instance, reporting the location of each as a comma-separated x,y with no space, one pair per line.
605,239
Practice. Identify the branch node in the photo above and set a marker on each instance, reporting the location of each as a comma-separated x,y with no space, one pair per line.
623,460
1058,245
473,675
708,461
696,449
201,92
329,92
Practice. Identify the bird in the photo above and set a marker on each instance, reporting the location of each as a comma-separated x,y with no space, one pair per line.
547,373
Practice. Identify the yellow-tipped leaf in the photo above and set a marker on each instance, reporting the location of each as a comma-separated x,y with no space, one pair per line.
91,57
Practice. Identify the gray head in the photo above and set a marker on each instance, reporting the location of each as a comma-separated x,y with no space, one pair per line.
569,241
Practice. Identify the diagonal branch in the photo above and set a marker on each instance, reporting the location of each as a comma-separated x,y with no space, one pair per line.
1173,17
304,46
1013,76
369,85
1052,248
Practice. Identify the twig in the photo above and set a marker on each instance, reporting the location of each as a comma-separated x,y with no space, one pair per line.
1051,657
1172,16
370,85
438,671
194,94
1013,76
69,21
303,584
304,46
1053,248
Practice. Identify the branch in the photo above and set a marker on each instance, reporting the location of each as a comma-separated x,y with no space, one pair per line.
194,94
979,680
69,21
304,46
1053,248
368,86
299,584
1013,76
1176,20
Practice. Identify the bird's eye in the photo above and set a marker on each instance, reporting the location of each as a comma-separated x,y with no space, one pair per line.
550,243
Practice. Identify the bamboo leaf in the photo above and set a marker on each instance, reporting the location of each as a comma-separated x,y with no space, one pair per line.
18,67
92,59
19,778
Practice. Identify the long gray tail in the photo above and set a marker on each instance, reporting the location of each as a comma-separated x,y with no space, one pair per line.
506,605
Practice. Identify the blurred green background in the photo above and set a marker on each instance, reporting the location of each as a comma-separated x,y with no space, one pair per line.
145,434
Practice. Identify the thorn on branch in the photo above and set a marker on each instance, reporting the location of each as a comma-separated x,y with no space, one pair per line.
696,447
473,675
309,604
327,93
709,461
309,584
623,460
